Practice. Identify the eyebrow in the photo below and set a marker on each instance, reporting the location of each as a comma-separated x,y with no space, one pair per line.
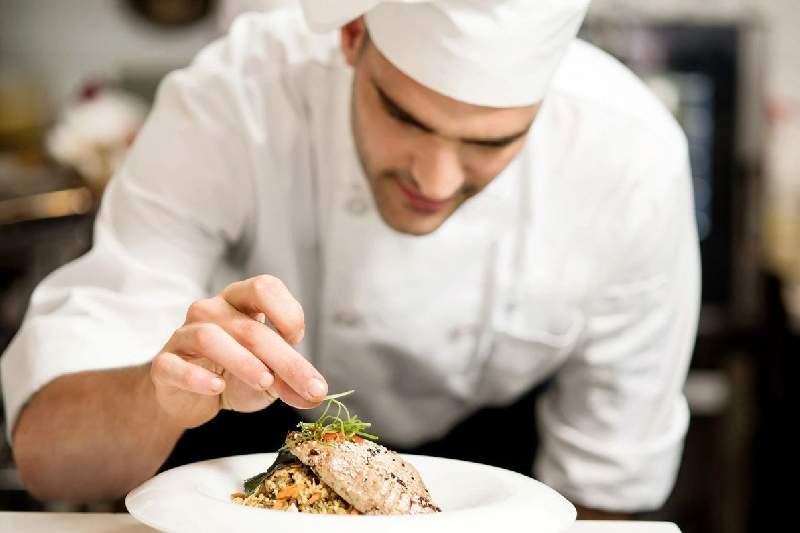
394,109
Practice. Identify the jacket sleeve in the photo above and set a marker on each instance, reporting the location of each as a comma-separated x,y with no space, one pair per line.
613,423
167,219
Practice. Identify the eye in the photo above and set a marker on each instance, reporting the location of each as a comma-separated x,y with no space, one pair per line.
490,147
496,145
396,114
399,114
402,117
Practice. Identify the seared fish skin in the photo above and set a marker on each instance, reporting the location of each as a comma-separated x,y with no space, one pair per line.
370,477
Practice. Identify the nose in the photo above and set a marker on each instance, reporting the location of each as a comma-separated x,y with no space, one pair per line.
437,170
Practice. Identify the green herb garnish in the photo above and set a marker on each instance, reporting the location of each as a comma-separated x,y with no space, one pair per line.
336,425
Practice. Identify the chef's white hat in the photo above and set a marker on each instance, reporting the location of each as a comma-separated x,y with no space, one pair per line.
497,53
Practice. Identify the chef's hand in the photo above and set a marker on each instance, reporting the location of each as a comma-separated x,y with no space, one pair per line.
224,356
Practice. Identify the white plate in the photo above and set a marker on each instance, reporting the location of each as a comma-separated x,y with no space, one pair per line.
196,497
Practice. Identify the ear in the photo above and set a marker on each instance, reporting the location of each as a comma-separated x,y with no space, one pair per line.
353,34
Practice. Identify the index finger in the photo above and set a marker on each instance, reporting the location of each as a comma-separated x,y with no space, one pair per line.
267,294
302,383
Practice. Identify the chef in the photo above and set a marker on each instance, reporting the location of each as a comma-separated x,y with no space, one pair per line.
442,204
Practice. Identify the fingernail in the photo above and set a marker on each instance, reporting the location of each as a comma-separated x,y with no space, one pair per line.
217,384
266,380
299,336
316,389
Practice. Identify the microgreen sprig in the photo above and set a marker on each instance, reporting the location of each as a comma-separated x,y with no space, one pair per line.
348,426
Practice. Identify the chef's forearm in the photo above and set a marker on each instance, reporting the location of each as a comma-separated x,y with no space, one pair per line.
92,436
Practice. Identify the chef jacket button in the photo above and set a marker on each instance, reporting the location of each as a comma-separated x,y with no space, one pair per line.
346,319
356,205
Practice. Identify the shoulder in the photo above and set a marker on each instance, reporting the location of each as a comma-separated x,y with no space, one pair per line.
610,164
263,43
607,135
605,94
262,65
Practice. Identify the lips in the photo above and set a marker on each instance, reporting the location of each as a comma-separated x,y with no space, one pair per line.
420,202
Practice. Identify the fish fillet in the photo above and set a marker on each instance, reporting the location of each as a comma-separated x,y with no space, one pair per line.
372,478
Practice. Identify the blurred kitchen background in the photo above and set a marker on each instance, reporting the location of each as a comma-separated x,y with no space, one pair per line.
77,77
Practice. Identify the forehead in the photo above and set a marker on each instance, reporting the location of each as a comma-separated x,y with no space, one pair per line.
438,110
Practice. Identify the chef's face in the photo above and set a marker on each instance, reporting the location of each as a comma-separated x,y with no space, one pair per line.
424,154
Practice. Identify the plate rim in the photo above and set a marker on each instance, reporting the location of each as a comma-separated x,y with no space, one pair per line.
566,516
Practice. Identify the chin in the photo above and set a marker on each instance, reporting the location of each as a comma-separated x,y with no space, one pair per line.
406,221
403,218
415,230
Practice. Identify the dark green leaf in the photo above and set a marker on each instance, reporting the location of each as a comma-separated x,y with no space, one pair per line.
284,460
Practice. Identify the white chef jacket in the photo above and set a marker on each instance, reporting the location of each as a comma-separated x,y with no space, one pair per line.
580,261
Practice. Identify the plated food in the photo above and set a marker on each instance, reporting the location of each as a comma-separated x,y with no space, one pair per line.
474,497
333,466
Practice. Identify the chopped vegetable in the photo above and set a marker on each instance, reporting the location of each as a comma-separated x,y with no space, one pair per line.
291,491
294,488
